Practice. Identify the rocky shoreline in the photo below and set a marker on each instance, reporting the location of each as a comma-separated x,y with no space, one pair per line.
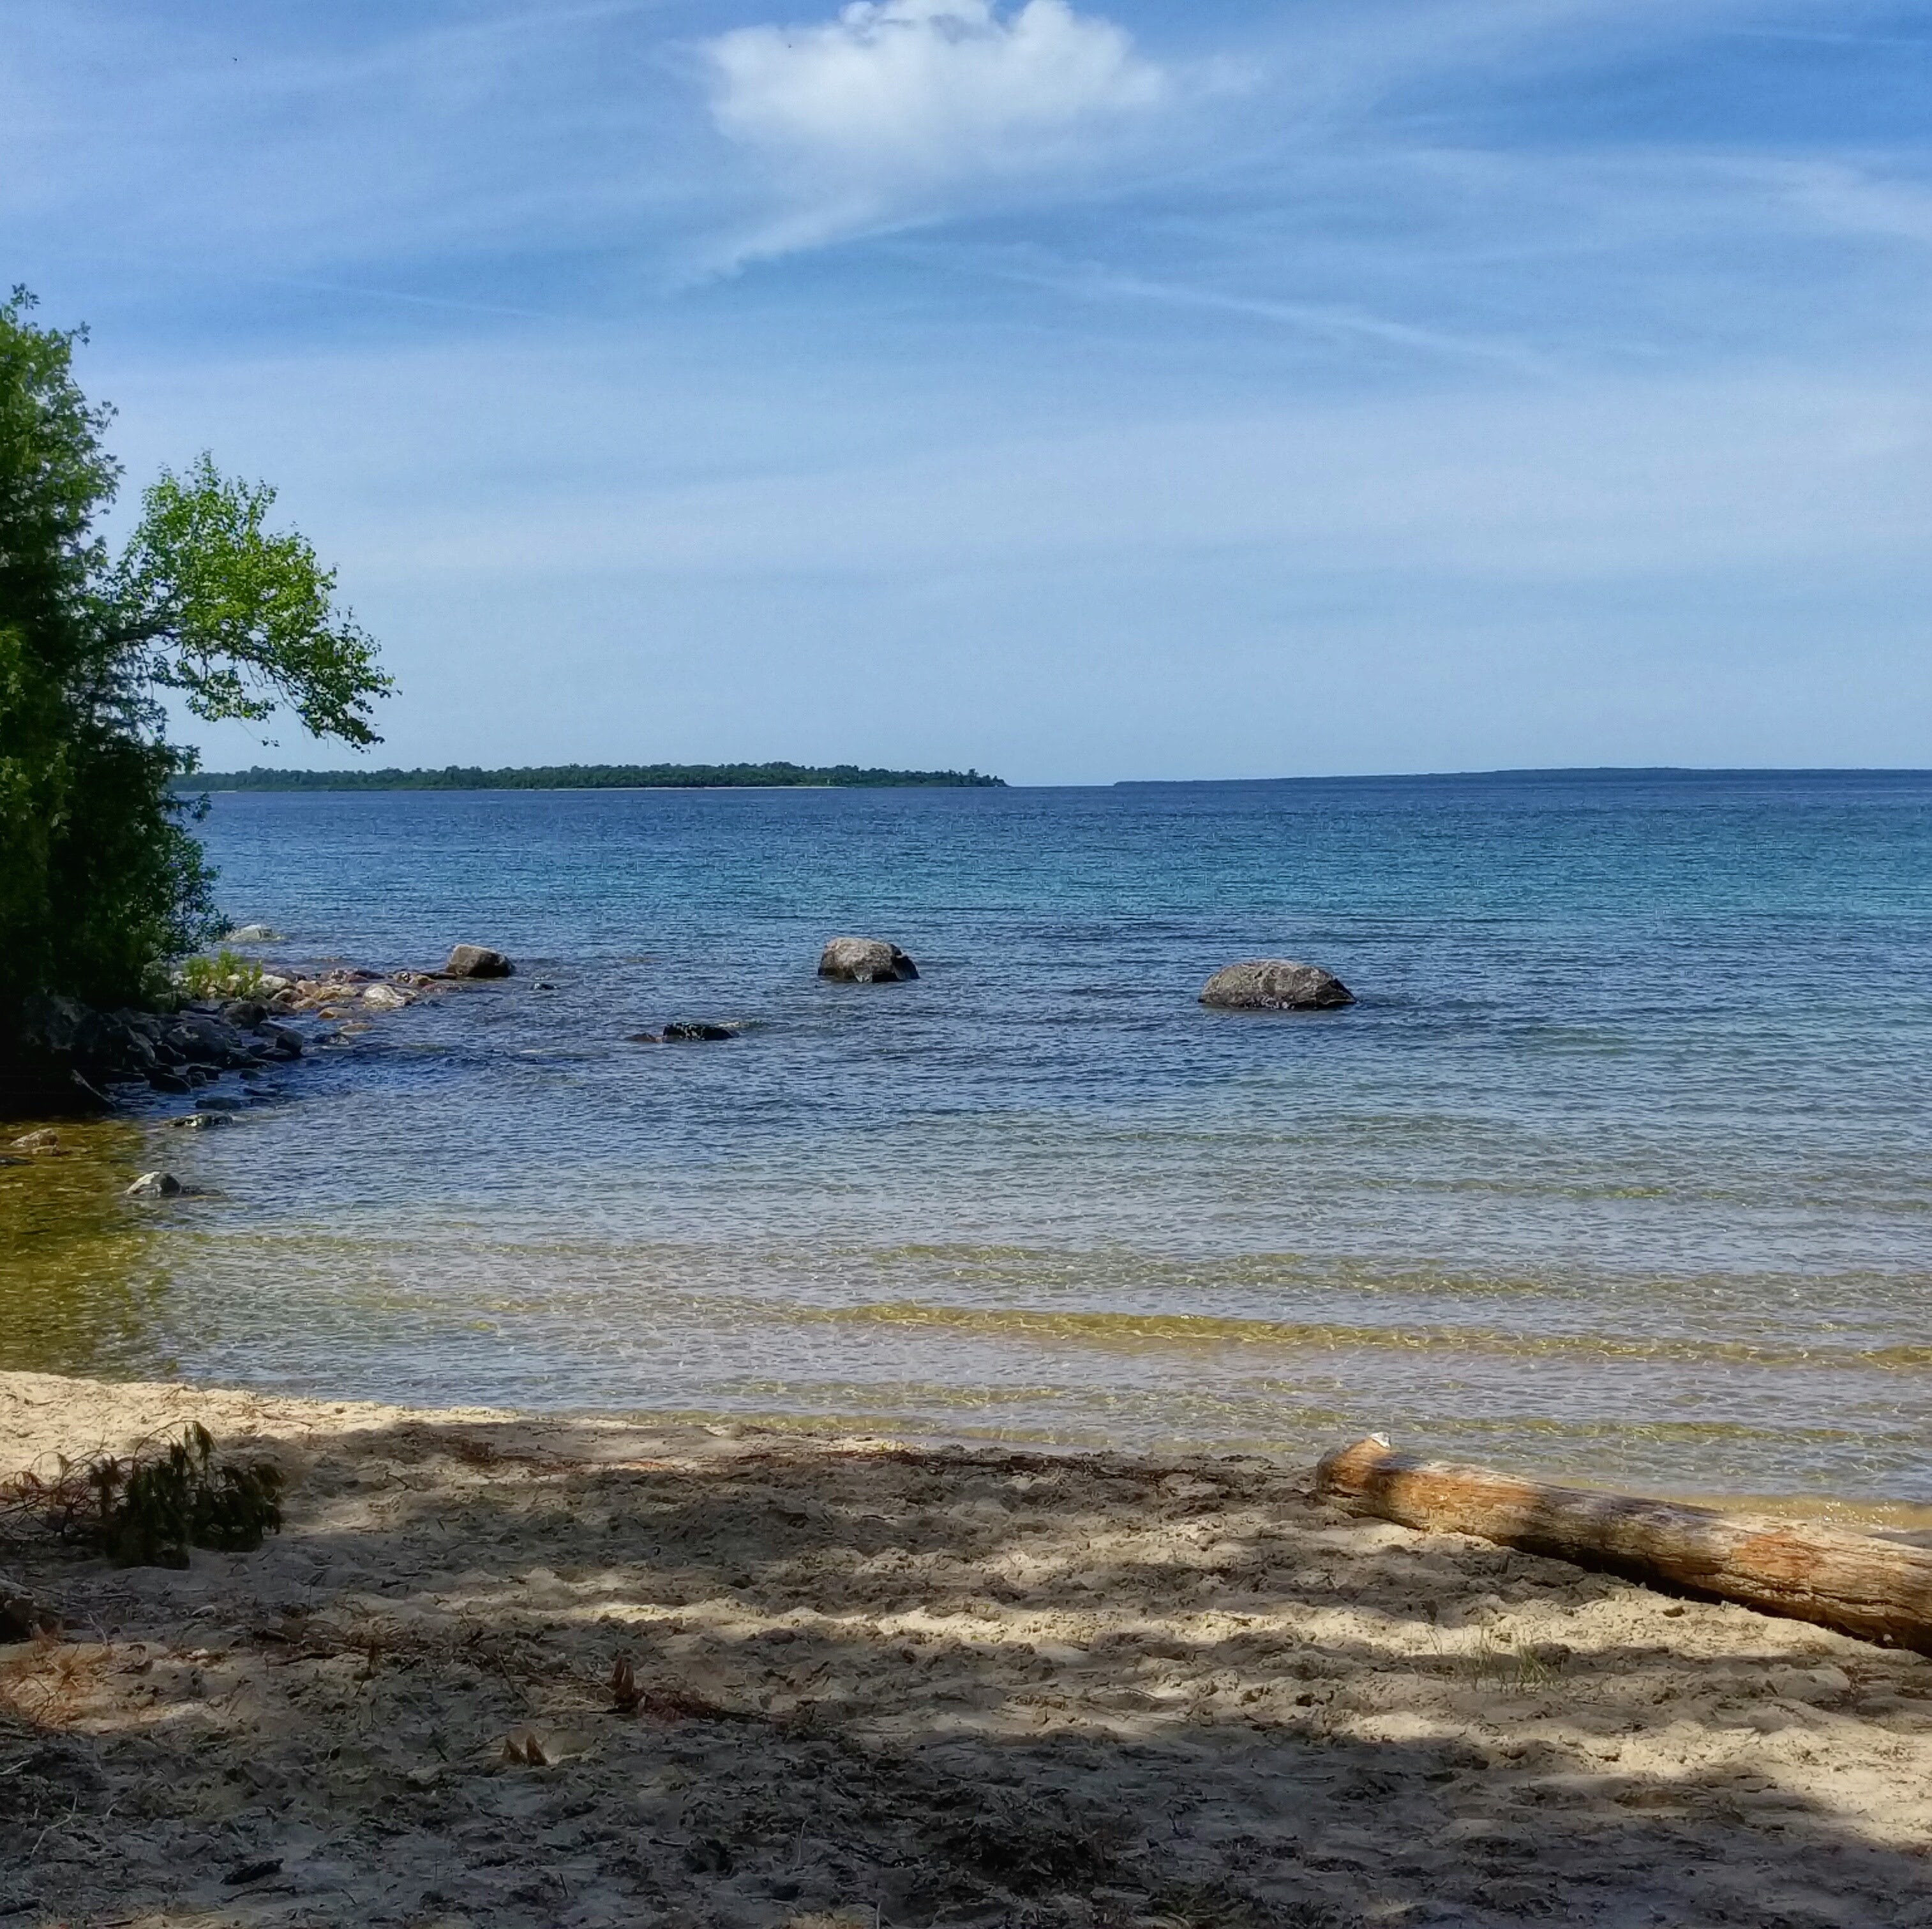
66,1057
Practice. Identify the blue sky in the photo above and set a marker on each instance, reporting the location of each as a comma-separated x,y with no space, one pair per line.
1078,391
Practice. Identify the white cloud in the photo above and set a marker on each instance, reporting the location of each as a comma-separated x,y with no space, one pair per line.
870,112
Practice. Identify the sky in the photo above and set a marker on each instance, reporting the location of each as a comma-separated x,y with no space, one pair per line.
1078,391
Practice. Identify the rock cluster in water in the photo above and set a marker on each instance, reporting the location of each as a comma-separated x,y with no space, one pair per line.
66,1052
1275,985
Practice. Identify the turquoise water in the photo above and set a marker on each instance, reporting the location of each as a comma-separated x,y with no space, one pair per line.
1619,1167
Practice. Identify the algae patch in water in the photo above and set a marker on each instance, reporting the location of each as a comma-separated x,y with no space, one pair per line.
81,1266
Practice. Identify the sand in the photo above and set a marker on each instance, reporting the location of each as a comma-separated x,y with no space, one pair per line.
882,1684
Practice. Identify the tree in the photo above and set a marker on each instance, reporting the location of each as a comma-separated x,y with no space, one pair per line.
102,881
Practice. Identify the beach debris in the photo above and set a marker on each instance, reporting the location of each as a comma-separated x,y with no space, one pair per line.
45,1140
154,1185
147,1508
625,1695
201,1121
864,961
709,1855
252,934
1880,1590
476,961
154,1507
1275,985
521,1746
240,1875
1045,1842
23,1614
687,1031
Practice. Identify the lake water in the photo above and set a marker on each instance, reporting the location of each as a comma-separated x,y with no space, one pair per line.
1622,1166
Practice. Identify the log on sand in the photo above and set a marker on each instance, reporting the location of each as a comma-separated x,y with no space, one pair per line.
1857,1583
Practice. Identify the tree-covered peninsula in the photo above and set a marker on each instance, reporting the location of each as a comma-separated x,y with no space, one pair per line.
596,776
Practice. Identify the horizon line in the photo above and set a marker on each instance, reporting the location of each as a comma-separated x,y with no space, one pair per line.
212,779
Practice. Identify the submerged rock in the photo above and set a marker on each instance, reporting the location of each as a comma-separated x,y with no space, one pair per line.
865,961
253,934
476,961
1275,985
154,1185
386,998
684,1033
45,1140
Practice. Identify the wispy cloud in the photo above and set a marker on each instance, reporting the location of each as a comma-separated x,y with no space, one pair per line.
871,114
1462,336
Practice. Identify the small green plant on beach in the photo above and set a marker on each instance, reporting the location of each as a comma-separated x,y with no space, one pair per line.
1497,1660
226,975
148,1508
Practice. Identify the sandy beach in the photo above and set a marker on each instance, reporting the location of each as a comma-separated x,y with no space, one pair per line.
881,1684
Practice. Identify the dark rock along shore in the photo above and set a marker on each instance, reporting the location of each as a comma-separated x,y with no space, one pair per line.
69,1057
66,1057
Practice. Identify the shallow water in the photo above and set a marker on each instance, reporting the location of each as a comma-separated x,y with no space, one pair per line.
1619,1169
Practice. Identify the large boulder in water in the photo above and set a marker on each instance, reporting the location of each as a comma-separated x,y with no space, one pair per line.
1275,985
477,961
865,961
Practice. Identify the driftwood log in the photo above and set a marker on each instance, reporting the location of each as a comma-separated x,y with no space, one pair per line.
1881,1590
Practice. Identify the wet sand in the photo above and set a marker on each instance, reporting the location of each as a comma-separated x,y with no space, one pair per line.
882,1683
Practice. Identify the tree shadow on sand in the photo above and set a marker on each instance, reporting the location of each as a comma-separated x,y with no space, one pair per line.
913,1688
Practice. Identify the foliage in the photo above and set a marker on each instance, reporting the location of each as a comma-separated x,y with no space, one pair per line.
239,620
606,777
101,879
148,1508
182,1499
226,975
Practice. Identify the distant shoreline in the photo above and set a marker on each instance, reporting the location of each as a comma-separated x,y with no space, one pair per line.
1554,774
848,777
597,777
